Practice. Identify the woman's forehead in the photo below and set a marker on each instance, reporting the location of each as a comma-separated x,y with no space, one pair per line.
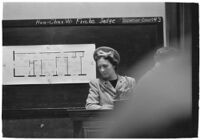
102,60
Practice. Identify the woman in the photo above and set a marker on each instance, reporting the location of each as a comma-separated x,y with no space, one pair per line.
111,86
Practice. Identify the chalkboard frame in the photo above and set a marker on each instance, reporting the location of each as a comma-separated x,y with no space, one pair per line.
7,109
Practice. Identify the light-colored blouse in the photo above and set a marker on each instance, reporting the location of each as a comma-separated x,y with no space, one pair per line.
102,94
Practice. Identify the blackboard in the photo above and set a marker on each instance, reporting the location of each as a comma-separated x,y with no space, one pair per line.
132,37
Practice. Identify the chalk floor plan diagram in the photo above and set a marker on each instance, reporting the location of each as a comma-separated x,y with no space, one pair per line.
48,64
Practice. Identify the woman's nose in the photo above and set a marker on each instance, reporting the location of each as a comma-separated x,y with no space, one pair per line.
102,69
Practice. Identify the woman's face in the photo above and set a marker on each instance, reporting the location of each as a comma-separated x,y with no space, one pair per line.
106,69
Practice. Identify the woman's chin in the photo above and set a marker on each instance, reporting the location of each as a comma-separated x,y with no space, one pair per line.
105,78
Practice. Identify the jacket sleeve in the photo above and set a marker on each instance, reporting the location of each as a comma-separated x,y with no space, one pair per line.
130,84
92,102
133,84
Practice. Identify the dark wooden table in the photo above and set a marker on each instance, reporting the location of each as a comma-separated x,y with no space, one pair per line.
89,123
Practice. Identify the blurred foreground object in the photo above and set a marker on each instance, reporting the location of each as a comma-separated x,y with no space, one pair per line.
162,106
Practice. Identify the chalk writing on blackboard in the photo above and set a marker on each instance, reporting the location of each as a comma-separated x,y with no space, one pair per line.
49,63
81,21
77,21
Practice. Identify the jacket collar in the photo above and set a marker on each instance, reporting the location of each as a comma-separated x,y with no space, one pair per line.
109,85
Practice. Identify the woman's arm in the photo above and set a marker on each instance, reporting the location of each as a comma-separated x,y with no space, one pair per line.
92,102
127,88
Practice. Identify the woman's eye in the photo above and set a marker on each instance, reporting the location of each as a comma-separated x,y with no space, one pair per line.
105,66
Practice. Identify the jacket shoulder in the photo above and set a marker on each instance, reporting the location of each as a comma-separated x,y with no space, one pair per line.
94,82
130,79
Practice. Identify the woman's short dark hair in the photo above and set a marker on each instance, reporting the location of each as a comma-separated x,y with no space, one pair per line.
107,53
110,59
